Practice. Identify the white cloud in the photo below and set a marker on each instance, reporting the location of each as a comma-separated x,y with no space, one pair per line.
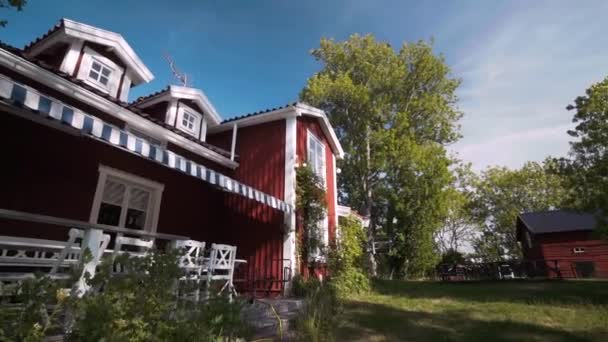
519,76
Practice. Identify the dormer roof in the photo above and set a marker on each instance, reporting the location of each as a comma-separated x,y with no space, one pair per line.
68,30
196,96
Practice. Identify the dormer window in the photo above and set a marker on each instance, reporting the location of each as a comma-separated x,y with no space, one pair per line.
100,73
188,120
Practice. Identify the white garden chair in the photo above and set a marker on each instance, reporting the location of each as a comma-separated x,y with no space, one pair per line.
221,267
133,247
29,253
191,261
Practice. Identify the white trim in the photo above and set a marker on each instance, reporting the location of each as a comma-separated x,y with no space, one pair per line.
68,88
289,239
299,109
311,136
71,57
335,189
156,190
186,93
233,146
114,40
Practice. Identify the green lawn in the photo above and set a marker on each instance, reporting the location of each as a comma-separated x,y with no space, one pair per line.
479,311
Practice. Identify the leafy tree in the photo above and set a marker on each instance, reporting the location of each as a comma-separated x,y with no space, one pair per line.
17,4
501,194
386,107
347,258
459,227
587,170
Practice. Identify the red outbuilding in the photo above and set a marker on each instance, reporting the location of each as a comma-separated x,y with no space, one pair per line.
562,244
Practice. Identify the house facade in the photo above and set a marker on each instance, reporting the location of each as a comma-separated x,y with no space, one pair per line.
76,148
562,244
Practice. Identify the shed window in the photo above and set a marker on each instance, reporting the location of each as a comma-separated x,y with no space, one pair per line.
100,73
579,250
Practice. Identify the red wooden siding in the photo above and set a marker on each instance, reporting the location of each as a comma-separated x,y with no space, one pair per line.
47,171
558,247
261,151
304,125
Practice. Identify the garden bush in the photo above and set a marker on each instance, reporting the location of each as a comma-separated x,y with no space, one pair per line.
138,305
347,259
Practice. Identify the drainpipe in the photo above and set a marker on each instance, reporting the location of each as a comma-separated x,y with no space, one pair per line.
234,129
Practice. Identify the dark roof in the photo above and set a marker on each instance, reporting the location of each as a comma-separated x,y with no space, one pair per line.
258,112
44,36
149,96
20,53
557,221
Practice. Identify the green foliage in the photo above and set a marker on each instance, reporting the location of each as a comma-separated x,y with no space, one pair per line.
320,318
17,4
140,305
36,311
587,169
311,205
459,226
500,194
347,259
303,287
452,257
391,110
137,305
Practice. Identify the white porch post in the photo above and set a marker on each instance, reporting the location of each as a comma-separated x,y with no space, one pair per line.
289,238
92,242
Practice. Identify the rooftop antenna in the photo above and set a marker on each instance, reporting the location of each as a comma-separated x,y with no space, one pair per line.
181,77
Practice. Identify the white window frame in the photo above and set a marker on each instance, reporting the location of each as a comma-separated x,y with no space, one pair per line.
313,138
578,250
156,189
86,63
183,109
102,66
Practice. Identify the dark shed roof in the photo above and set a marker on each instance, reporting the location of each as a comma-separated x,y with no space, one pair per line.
556,221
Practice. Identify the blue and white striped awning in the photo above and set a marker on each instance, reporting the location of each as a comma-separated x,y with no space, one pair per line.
92,126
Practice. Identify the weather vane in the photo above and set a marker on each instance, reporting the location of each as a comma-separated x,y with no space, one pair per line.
181,77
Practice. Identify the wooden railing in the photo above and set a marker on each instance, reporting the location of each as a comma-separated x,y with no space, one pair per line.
91,239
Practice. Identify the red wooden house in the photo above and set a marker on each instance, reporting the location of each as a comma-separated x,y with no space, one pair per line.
76,148
561,244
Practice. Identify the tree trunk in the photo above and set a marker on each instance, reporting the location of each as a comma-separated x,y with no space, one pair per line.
373,266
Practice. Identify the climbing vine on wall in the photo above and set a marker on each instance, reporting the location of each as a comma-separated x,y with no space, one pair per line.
311,208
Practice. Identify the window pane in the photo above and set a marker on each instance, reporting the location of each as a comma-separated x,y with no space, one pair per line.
105,72
113,192
103,80
96,66
93,75
109,214
139,199
136,219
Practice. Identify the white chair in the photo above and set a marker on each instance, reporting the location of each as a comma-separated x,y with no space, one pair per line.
133,247
191,261
221,267
24,253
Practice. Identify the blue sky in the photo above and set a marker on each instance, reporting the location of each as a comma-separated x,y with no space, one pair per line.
521,62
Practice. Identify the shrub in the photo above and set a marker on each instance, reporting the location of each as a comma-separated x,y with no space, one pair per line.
347,259
140,305
320,317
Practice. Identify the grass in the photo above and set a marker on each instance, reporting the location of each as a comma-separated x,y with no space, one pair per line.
478,311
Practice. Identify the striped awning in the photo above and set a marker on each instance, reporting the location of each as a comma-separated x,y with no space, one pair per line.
92,126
